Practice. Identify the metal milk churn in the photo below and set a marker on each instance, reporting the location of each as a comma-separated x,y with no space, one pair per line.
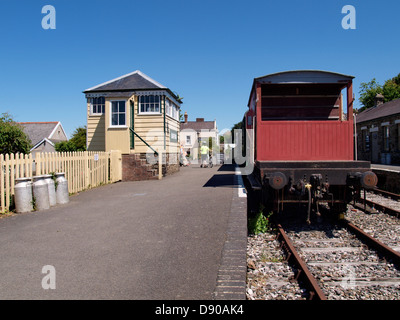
23,195
62,194
41,193
52,189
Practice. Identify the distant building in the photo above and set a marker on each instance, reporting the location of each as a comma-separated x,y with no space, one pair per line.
378,132
44,135
194,132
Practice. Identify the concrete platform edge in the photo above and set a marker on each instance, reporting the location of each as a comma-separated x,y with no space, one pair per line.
232,273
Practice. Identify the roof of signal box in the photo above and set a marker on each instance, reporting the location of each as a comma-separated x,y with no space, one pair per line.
130,82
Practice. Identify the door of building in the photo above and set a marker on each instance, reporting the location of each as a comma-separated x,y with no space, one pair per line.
374,148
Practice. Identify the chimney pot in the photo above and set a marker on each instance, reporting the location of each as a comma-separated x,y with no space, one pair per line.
186,117
379,99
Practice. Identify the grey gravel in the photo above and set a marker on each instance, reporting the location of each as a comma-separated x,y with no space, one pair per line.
268,276
381,226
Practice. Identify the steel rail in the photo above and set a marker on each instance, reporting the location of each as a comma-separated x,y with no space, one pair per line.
380,207
387,252
305,274
388,194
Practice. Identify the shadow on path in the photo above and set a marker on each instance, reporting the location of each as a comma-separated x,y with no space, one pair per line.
225,180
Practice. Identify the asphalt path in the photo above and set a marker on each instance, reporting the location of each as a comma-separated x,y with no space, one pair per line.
157,240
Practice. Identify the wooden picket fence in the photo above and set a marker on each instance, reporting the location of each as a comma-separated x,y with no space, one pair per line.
83,170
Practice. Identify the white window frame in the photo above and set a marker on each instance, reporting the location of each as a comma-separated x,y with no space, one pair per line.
188,143
386,137
140,112
92,113
171,109
111,114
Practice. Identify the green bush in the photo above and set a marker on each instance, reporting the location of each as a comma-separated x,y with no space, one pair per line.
259,223
13,139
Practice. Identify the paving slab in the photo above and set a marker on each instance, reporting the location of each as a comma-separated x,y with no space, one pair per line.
129,240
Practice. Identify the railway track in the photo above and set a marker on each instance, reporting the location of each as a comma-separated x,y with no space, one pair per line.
357,259
338,261
387,194
383,203
346,262
383,220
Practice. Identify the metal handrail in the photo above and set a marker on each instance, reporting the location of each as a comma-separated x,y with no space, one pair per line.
143,141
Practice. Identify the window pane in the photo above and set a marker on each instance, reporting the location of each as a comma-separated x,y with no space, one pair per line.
114,107
121,106
114,121
122,119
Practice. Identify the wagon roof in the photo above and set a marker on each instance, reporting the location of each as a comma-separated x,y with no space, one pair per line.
304,76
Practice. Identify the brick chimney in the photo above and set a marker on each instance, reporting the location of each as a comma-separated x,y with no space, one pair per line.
199,119
186,117
379,99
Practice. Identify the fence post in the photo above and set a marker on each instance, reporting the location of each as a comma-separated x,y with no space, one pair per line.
115,165
3,205
160,161
38,164
7,180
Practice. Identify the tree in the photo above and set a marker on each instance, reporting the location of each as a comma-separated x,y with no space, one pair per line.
76,143
65,146
240,126
13,139
391,89
369,90
79,138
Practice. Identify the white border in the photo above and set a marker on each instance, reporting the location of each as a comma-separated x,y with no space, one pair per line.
110,107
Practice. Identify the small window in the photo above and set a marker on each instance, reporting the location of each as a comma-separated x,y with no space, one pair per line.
97,105
149,104
365,140
188,140
385,138
171,109
118,113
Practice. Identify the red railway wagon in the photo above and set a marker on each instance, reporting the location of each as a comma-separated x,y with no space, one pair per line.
301,139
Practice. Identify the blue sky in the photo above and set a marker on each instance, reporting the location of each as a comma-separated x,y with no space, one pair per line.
207,51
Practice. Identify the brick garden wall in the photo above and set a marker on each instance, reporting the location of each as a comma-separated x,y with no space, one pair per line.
135,167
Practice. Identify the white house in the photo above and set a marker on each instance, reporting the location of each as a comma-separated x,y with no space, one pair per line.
192,133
